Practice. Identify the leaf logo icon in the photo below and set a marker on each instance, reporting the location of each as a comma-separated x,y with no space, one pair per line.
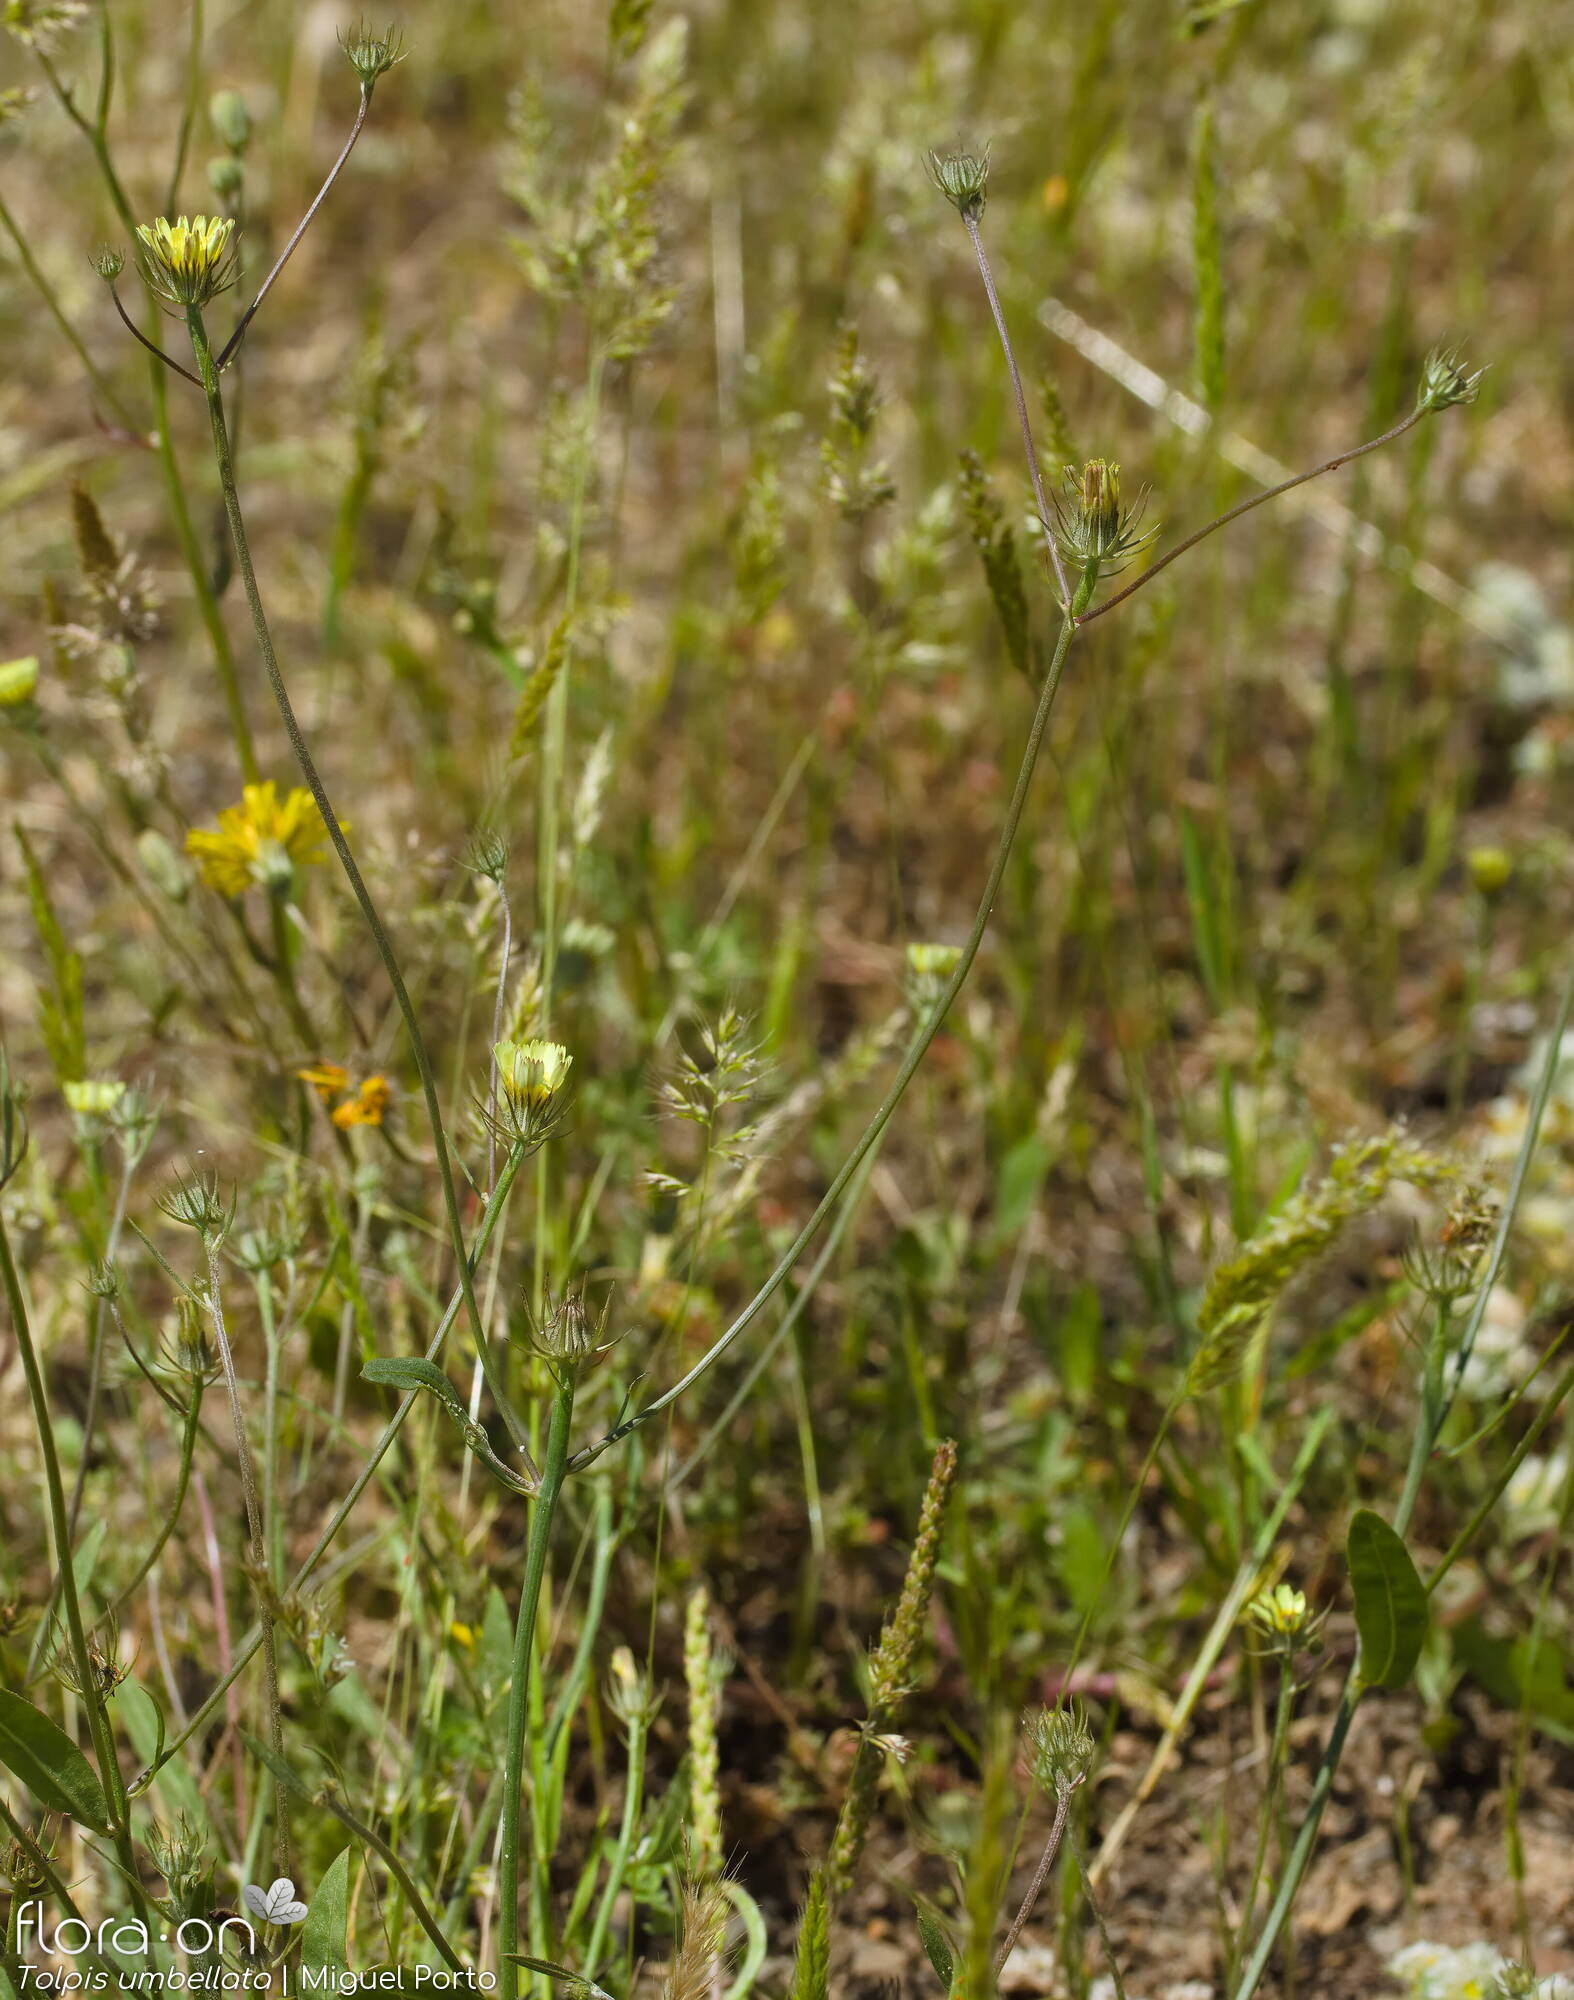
277,1904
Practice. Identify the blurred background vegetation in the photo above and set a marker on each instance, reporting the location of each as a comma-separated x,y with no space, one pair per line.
603,449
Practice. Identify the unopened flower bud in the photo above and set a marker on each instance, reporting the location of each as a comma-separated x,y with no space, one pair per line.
230,119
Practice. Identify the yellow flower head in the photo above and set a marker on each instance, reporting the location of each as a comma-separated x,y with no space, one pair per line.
531,1078
532,1073
189,260
261,841
18,679
1280,1612
93,1097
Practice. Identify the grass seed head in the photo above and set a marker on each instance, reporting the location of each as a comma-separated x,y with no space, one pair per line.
42,25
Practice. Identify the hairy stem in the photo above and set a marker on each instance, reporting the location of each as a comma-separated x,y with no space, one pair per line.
916,1052
1045,521
341,846
248,1647
553,1473
258,1537
1035,1888
81,1659
1256,500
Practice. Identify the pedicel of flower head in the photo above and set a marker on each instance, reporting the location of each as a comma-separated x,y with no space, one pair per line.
188,261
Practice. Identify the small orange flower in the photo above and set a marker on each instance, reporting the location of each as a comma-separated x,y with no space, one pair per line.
366,1107
328,1079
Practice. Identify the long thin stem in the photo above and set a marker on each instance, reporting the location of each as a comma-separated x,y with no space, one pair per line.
1081,1860
1271,1789
1256,500
553,1473
301,228
188,1446
628,1828
1435,1407
396,1868
52,305
130,1155
1046,520
179,508
248,1647
256,1530
341,846
152,347
498,1004
86,1674
916,1052
1035,1888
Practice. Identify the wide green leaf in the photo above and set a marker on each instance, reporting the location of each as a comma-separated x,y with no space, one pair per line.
324,1933
42,1757
1390,1601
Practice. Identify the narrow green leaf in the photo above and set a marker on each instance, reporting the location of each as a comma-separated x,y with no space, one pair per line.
409,1373
42,1757
576,1982
1390,1601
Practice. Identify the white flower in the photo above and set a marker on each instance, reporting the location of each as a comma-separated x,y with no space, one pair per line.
1533,1496
1448,1972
